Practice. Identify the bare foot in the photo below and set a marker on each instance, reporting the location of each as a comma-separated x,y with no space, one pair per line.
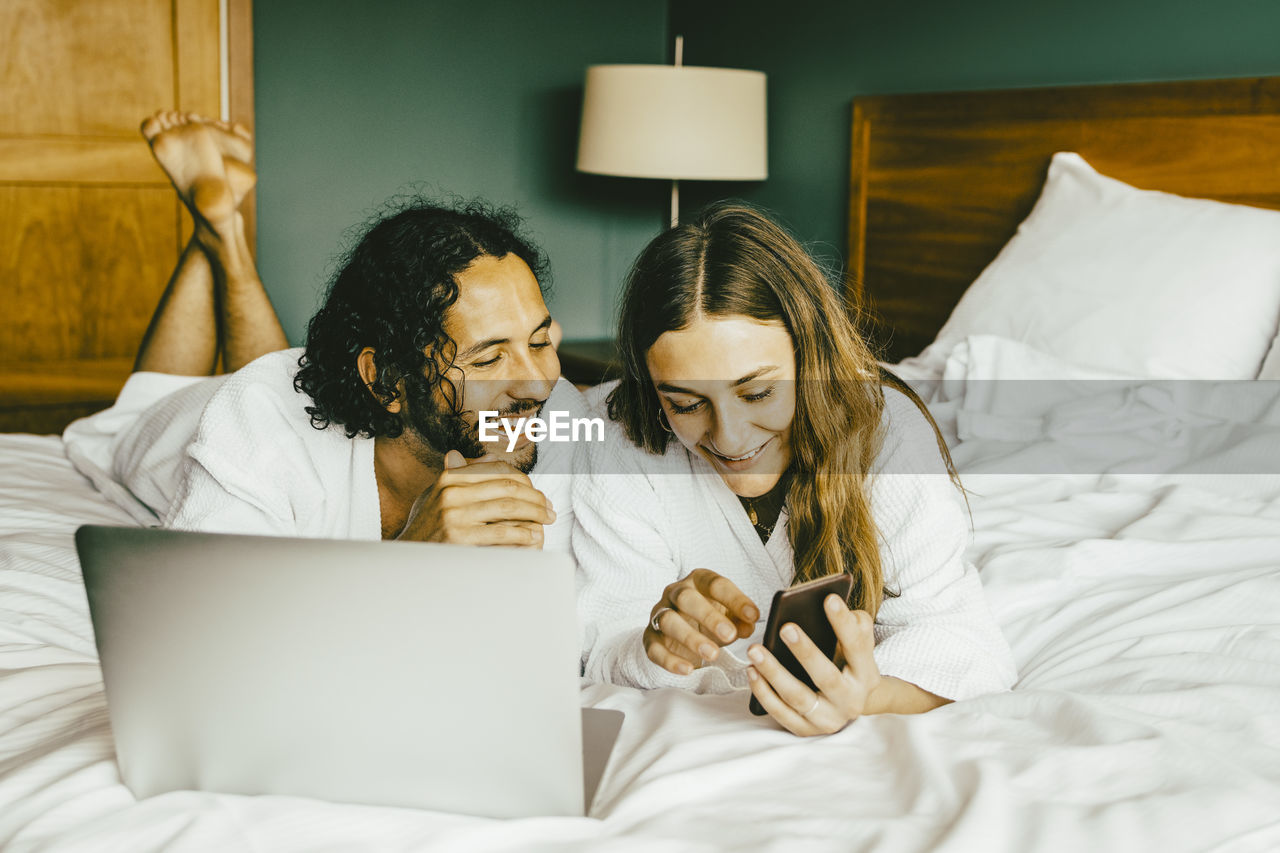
236,143
241,177
207,161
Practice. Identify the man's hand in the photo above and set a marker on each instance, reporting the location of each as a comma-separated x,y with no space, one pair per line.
485,502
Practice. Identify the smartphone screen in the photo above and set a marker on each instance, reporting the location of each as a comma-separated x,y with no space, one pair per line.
802,605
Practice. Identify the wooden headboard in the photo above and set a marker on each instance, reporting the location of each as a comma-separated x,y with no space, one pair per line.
939,182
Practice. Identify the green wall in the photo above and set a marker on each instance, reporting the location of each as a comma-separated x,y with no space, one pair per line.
355,101
818,55
358,101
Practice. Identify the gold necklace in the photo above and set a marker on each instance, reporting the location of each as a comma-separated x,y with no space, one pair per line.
754,517
777,494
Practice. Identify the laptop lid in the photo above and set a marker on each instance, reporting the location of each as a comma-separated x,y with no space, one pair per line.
387,673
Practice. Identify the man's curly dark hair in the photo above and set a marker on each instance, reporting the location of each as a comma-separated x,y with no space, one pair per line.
391,293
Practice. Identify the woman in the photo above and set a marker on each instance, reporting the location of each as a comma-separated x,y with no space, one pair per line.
753,446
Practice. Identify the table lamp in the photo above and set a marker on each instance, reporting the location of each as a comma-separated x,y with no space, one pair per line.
674,122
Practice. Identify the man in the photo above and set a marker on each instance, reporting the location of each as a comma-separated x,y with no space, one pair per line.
436,315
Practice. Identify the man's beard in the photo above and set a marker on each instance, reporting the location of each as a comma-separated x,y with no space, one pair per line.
444,430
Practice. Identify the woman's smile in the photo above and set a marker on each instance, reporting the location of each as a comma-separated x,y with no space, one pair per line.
739,462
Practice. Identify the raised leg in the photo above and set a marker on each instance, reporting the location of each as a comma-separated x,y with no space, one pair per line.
247,323
183,335
215,302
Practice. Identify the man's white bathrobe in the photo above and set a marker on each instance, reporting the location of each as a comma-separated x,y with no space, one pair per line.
644,521
238,454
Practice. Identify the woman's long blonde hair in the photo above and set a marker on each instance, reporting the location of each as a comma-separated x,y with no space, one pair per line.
731,259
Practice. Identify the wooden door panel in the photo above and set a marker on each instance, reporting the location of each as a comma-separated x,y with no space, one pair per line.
85,68
84,268
42,160
197,57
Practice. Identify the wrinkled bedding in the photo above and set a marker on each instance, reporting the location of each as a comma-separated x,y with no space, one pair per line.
1141,600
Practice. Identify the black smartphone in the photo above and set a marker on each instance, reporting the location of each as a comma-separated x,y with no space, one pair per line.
803,605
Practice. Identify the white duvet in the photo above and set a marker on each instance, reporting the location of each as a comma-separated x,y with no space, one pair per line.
1143,610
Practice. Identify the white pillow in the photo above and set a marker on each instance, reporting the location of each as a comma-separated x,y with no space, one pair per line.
1134,282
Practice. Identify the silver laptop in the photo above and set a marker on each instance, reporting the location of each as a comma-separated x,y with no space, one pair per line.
385,673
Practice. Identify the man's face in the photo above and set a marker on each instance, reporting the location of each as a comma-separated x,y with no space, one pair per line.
505,361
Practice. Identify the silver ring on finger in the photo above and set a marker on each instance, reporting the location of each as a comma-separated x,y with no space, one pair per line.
817,700
653,622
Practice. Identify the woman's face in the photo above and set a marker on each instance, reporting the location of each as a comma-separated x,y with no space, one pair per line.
727,385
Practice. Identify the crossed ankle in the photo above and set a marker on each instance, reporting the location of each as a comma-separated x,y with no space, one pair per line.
224,241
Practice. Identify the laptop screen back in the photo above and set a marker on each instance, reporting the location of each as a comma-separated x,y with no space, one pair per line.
386,673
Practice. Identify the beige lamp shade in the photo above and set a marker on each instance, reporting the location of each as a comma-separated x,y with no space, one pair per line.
674,122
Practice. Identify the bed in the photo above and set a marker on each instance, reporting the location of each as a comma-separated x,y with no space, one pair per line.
1127,530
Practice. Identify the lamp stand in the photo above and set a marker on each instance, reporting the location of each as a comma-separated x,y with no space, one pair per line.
675,185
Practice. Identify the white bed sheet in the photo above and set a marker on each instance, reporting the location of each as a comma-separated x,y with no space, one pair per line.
1144,614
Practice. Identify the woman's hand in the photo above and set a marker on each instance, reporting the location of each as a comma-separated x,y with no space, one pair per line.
695,616
843,692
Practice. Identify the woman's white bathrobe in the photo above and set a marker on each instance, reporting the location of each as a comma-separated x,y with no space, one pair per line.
643,521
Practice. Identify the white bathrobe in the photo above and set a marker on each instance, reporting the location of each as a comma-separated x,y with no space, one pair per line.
238,454
644,521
